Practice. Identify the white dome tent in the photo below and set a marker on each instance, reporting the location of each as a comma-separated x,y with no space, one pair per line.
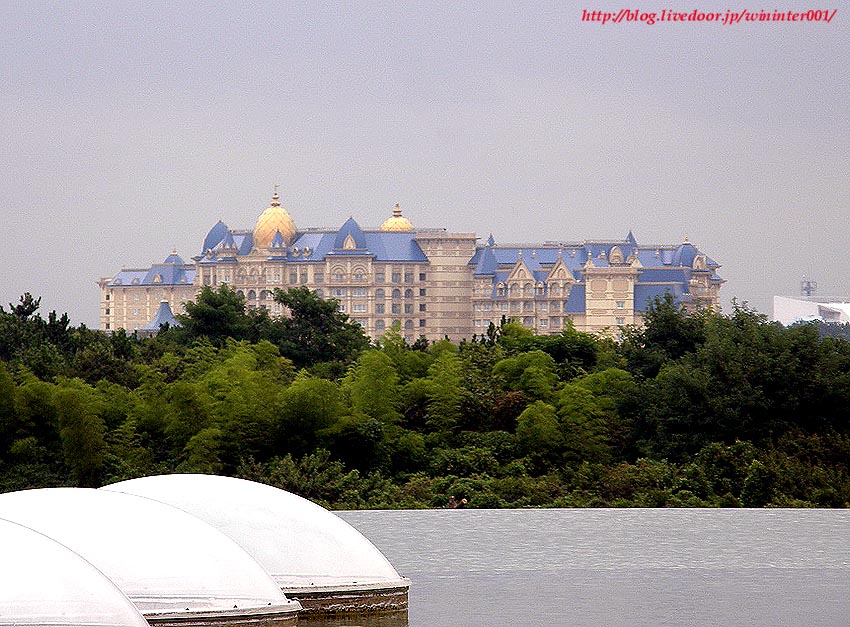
175,568
314,556
43,583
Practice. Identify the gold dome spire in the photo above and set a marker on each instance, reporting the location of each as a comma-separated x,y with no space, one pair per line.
272,220
397,222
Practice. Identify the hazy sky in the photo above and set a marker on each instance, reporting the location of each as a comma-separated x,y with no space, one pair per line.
128,129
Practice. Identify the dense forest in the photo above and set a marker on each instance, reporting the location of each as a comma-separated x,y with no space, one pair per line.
701,409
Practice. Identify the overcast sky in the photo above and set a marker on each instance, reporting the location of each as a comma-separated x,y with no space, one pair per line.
129,129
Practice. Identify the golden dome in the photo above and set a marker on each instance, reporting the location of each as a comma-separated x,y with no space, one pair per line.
397,222
272,220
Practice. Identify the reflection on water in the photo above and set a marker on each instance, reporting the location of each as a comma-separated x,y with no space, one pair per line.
395,619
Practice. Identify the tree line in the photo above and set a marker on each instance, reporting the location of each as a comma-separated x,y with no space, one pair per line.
691,409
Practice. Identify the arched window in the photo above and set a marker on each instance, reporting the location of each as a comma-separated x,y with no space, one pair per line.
408,293
500,289
408,324
527,289
380,325
338,275
240,294
539,290
252,295
379,294
396,294
515,289
616,256
264,294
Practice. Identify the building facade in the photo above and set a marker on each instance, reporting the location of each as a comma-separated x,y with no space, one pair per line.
429,282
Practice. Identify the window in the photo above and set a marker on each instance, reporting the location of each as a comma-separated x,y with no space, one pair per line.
528,305
396,294
422,291
421,322
359,275
107,311
379,294
514,306
408,309
107,325
380,325
396,308
293,278
621,304
556,322
421,276
338,276
379,308
421,306
408,277
303,278
338,292
359,308
319,277
544,323
320,293
135,297
528,321
135,312
621,321
380,277
252,295
276,277
107,297
341,307
359,291
396,277
544,306
408,325
408,293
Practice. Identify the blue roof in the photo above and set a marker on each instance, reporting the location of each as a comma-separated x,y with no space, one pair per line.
684,255
163,315
277,240
215,235
350,227
575,301
169,273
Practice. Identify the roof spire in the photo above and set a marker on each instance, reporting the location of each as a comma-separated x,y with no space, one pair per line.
275,197
397,211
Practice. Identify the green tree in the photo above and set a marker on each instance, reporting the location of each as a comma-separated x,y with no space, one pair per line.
216,315
445,393
316,331
372,385
305,408
82,432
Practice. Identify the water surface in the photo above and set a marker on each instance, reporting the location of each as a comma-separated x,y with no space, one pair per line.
615,566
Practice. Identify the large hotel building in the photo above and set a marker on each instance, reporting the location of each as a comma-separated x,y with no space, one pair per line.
429,282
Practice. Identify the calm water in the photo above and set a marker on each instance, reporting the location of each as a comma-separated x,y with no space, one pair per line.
615,567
